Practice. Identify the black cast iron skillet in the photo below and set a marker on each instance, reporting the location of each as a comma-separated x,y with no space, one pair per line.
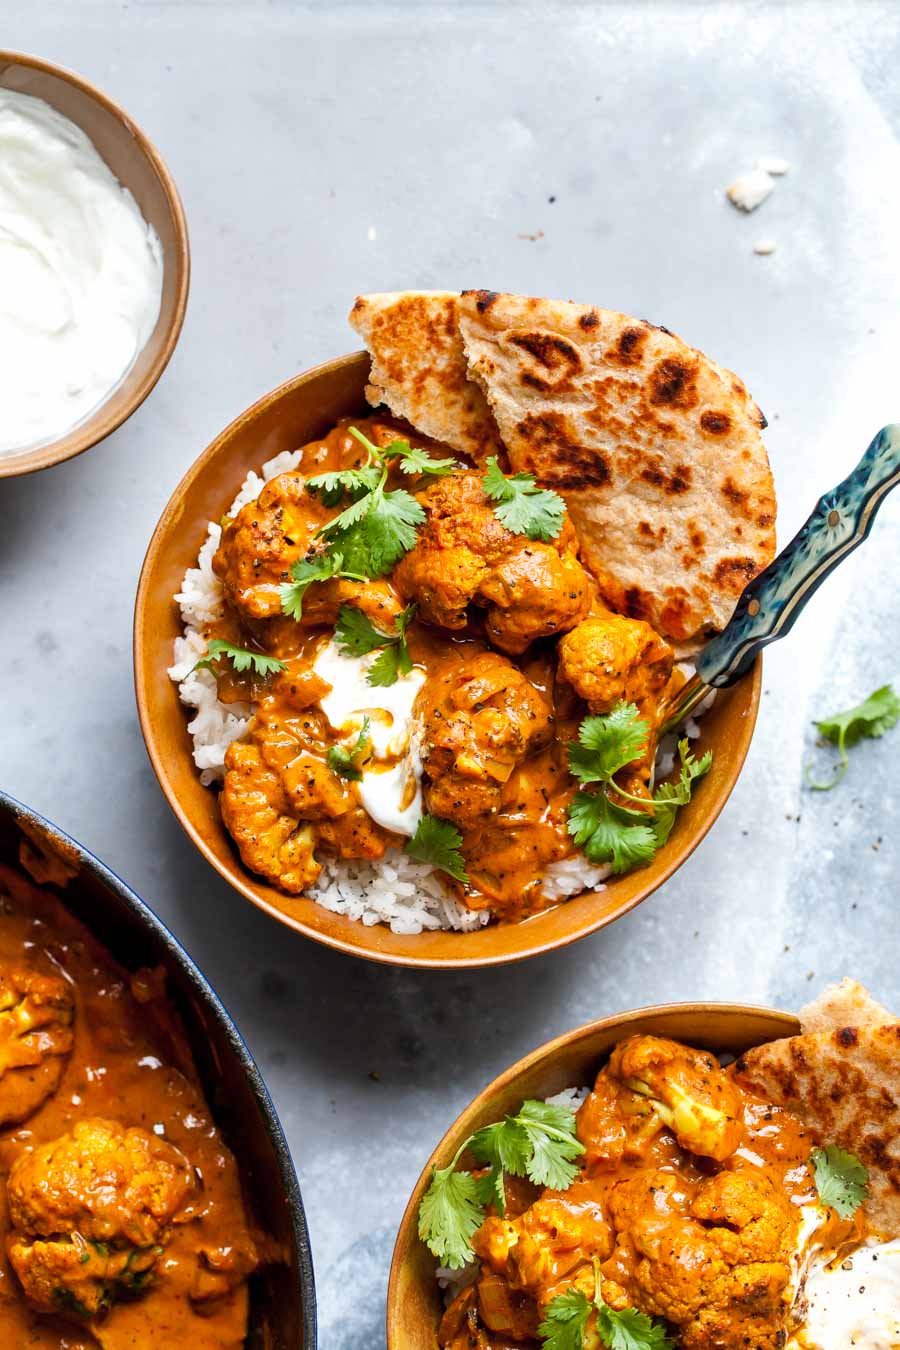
282,1294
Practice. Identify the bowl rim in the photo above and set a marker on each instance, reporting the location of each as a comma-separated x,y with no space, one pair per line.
241,880
95,427
442,1149
208,996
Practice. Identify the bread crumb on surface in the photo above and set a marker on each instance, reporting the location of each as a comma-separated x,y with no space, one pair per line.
750,190
773,164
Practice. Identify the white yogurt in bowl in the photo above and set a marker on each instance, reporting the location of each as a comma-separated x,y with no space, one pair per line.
81,275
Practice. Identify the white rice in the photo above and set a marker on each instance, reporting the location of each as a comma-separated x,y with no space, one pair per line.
409,896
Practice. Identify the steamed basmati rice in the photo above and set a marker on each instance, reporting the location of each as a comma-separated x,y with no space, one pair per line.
409,896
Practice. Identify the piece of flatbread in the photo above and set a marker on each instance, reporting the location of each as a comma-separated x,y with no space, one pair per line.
845,1084
847,1004
419,368
656,449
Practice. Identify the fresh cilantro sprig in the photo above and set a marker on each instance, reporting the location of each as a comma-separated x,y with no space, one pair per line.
378,526
240,658
669,796
600,824
356,635
567,1315
342,759
438,842
318,567
414,460
521,505
841,1179
538,1142
869,719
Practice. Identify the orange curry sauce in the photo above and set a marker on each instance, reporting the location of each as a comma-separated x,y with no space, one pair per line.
110,1056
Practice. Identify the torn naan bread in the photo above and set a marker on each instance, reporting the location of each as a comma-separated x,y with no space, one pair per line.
848,1004
656,449
419,368
844,1083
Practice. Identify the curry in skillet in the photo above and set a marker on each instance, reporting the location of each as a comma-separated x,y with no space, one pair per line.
677,1208
121,1218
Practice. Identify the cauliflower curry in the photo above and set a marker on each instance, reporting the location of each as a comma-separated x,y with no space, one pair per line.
686,1206
509,646
121,1217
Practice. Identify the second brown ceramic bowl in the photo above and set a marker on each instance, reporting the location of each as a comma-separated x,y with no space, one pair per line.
138,167
297,412
414,1303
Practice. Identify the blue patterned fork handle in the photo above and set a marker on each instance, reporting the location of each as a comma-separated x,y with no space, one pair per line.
771,604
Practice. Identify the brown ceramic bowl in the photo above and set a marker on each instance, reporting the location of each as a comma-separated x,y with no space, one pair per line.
299,411
414,1303
139,168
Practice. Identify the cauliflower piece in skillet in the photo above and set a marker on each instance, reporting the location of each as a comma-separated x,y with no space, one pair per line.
90,1215
688,1090
36,1016
718,1267
465,555
479,720
609,659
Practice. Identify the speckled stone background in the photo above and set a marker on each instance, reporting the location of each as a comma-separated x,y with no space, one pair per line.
561,149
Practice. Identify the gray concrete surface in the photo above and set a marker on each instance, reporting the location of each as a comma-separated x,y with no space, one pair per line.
325,150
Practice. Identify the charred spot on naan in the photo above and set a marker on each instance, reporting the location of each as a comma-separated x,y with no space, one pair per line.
558,457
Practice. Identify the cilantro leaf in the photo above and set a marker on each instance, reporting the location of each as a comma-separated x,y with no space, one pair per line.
451,1212
356,635
841,1179
374,533
629,1329
342,759
554,1144
538,1142
871,718
609,833
565,1321
321,567
240,658
332,486
413,460
607,743
669,796
438,842
522,506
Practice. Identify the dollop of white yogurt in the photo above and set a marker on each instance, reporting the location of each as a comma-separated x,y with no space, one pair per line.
390,787
81,275
855,1303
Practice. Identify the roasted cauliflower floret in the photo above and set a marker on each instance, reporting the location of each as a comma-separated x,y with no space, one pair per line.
91,1213
478,721
555,1236
260,544
257,814
689,1090
36,1015
609,659
717,1267
464,556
